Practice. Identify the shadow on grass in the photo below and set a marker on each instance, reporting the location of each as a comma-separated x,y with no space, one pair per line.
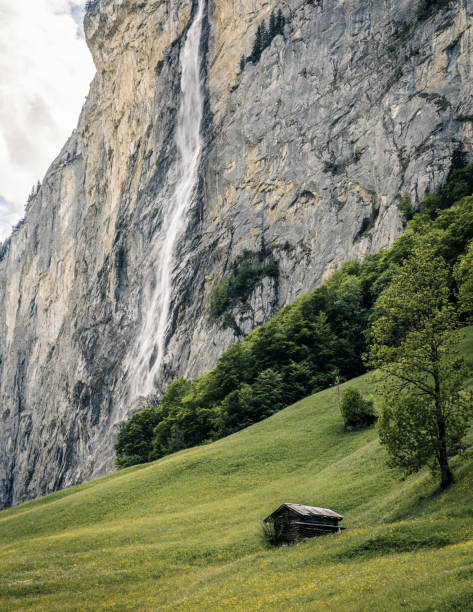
455,602
396,543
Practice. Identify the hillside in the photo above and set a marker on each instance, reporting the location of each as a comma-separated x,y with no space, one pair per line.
298,156
184,533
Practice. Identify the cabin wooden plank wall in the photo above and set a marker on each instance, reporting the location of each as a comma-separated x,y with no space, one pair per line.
294,521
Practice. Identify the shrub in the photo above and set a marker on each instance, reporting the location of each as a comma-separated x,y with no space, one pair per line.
357,411
273,533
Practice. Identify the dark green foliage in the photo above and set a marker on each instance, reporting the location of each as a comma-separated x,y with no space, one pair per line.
459,159
405,206
250,403
426,8
464,278
308,344
135,438
168,433
246,272
331,167
338,167
257,47
265,34
356,410
415,345
459,185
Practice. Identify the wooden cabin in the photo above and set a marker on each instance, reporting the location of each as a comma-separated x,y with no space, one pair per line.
295,521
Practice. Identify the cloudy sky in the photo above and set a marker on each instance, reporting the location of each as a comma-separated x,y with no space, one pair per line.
45,72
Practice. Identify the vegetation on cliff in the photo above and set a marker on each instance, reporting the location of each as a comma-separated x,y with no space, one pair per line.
320,337
264,37
246,272
426,8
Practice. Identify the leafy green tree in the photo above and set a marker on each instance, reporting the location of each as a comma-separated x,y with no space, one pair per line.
300,379
415,345
347,316
173,397
464,278
233,368
135,438
267,394
356,410
405,206
189,426
250,403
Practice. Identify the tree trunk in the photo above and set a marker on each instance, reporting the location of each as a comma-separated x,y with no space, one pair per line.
446,476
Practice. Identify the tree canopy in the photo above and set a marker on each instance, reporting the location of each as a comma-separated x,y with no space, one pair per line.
415,341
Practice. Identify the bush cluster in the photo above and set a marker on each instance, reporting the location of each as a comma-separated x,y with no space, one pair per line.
304,347
356,410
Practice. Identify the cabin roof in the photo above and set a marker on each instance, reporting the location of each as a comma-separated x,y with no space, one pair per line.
302,510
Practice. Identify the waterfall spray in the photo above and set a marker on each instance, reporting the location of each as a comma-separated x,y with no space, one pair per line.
148,356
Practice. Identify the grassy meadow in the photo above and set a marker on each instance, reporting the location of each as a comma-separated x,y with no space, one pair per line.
184,532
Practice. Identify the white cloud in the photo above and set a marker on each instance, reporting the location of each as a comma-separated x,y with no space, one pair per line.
8,216
45,72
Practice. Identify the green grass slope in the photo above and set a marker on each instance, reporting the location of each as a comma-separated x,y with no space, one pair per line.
184,533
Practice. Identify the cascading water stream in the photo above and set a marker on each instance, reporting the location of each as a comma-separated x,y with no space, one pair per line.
148,356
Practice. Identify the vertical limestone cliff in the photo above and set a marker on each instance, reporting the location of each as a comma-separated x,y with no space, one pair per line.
305,154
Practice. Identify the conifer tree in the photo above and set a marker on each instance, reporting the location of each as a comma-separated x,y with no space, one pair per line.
273,25
265,38
257,46
281,22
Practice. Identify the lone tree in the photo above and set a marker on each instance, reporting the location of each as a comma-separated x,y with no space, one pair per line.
414,342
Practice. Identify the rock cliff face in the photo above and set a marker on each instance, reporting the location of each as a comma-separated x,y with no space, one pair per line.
305,153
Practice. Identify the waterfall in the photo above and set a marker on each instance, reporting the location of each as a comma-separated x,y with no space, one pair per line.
148,356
